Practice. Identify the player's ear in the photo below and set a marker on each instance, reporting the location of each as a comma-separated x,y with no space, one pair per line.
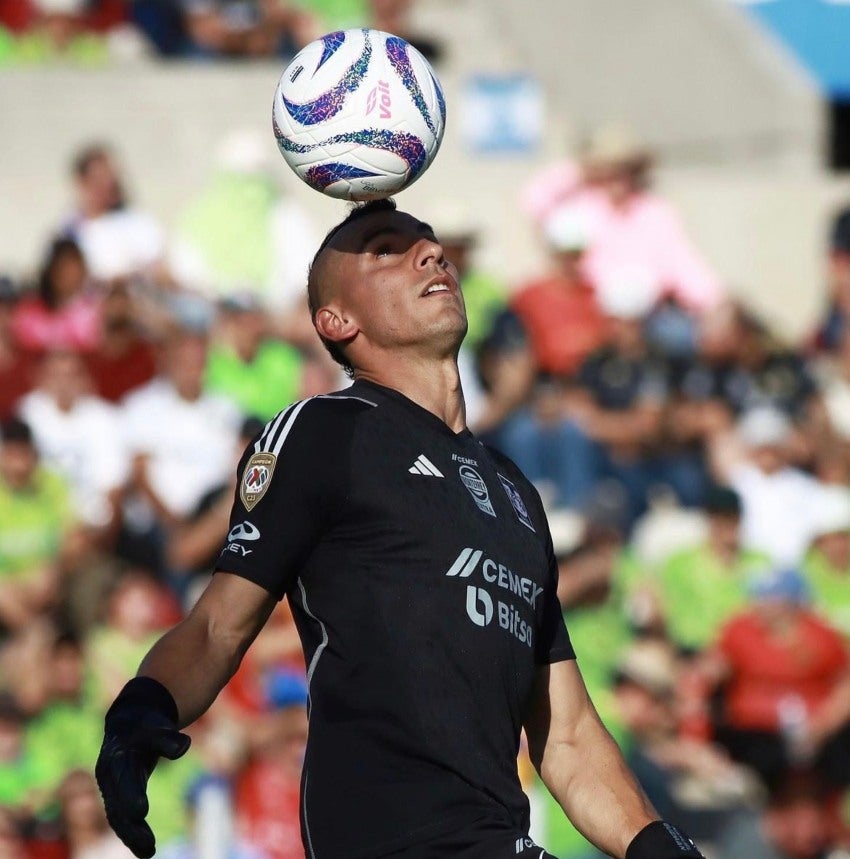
335,325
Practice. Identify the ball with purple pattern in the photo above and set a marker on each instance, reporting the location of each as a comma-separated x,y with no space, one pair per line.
359,114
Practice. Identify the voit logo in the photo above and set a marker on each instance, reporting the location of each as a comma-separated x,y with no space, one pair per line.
379,96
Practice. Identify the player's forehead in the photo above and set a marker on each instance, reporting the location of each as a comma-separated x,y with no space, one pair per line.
355,236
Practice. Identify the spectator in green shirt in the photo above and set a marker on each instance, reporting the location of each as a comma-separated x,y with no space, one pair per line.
597,576
827,564
701,587
261,375
595,571
65,734
35,521
24,779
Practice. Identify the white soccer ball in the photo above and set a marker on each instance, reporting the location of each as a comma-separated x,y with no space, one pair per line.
359,114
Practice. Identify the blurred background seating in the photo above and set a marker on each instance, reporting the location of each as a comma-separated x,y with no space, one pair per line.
658,285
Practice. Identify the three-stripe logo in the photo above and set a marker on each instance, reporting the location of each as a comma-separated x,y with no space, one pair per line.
424,466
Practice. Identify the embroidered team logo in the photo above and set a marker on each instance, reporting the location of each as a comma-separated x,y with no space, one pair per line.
474,482
256,478
516,501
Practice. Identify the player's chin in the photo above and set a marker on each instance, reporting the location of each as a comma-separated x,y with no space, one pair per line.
451,327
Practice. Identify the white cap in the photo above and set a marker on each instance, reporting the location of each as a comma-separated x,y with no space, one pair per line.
837,402
831,513
764,426
61,7
567,229
629,292
567,529
651,665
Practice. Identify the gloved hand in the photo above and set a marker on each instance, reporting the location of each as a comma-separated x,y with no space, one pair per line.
140,727
660,840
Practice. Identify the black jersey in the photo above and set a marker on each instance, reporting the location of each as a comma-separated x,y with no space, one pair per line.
421,575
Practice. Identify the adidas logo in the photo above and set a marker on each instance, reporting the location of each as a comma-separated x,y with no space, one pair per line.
424,466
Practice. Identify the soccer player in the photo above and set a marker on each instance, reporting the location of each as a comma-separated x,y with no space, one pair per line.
422,579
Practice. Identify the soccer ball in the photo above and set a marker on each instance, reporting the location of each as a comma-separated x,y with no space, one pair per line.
359,114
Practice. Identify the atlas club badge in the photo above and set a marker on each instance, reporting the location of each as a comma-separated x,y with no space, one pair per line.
516,501
256,479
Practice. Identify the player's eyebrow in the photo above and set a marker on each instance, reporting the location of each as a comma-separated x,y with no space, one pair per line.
387,229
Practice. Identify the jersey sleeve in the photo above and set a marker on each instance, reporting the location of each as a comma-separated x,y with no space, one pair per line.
291,483
553,640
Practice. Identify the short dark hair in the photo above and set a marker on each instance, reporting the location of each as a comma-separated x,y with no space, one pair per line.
722,501
839,238
59,247
358,211
86,156
8,290
14,430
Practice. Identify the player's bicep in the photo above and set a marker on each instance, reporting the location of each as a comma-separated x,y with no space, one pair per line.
553,641
558,708
233,610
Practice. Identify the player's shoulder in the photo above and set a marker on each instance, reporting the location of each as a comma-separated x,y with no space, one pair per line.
323,418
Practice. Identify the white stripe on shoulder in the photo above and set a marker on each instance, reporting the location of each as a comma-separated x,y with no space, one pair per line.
278,428
271,428
344,397
290,420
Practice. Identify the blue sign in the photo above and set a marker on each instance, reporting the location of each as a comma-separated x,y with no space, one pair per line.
502,114
818,33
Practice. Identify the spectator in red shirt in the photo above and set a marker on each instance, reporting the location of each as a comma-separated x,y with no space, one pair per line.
785,682
267,789
16,365
63,315
559,311
124,358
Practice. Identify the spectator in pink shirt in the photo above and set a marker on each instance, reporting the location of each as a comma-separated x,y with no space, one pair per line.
631,229
63,314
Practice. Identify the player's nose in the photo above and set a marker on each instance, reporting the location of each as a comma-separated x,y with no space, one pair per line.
427,252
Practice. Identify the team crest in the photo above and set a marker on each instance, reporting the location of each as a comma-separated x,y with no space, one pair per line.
474,482
256,478
516,501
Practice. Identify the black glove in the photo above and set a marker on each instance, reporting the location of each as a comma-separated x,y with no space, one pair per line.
140,727
660,840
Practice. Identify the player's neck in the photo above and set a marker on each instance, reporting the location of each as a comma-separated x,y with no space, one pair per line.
434,385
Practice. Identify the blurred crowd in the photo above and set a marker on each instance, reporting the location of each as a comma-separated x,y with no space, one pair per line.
97,32
694,465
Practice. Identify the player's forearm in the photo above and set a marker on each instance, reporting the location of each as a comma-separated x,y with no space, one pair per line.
590,780
196,658
192,665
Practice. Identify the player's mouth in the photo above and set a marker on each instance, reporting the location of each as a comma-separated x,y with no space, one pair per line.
442,285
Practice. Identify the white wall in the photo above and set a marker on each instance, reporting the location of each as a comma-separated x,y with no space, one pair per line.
759,215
